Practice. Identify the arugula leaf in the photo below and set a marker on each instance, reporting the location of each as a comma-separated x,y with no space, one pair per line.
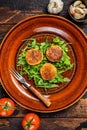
33,72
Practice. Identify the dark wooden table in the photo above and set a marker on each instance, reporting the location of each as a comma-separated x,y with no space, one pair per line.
73,118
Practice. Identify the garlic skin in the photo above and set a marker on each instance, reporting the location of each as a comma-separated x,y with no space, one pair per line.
55,6
72,10
77,3
85,10
78,10
79,16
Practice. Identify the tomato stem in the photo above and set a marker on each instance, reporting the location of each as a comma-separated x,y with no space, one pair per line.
29,123
6,107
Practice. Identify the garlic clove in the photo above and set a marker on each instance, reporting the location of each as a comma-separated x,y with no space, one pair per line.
72,9
85,10
82,6
76,3
79,10
79,16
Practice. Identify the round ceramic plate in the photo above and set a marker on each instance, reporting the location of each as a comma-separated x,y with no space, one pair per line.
42,27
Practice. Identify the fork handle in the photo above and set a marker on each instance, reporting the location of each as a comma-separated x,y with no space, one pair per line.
40,96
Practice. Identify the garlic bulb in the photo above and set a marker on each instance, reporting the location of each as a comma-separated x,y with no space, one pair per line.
55,6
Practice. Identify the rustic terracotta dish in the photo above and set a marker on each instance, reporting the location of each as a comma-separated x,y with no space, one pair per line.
40,27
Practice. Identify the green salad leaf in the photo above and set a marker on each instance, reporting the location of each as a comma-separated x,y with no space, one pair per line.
33,72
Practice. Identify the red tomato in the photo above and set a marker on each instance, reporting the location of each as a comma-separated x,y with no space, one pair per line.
31,121
7,107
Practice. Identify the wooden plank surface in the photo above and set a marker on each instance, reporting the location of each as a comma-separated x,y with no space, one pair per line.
78,110
46,124
73,118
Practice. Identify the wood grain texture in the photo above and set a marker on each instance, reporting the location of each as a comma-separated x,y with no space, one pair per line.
15,16
4,122
77,114
63,98
73,118
47,124
77,110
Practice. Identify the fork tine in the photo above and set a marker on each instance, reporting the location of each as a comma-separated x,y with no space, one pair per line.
31,88
15,73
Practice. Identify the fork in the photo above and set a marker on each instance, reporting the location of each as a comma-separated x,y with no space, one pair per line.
28,86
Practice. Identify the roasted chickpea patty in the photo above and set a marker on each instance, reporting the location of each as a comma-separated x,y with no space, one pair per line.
48,71
34,56
54,53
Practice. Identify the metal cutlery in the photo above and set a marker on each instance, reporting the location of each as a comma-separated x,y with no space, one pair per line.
28,86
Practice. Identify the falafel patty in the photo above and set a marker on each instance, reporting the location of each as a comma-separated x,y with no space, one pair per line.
54,53
48,71
34,56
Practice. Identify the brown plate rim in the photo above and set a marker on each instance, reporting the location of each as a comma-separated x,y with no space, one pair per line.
0,68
